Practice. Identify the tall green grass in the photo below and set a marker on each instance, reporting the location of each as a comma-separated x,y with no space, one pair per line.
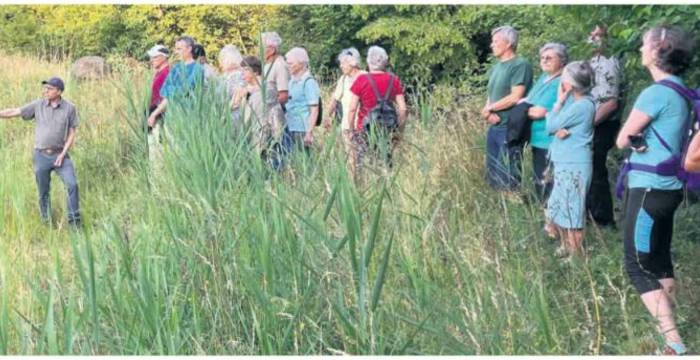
213,253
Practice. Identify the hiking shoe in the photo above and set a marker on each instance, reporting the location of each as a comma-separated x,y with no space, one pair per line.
669,350
561,252
75,225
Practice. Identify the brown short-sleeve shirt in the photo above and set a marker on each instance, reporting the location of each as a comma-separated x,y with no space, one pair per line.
277,74
52,124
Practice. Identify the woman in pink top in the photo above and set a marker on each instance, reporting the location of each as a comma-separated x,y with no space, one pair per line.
364,99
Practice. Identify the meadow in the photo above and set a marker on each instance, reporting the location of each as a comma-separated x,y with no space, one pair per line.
211,253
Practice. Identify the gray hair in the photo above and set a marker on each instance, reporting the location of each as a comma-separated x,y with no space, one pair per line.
298,54
509,34
580,75
351,56
559,49
674,46
272,38
377,58
230,55
189,41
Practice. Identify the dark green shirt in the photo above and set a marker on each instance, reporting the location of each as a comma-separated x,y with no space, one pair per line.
503,76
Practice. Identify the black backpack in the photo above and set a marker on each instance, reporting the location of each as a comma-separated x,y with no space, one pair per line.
383,115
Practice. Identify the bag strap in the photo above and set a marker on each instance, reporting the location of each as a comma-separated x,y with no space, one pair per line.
692,96
661,139
374,86
390,88
304,86
377,94
680,89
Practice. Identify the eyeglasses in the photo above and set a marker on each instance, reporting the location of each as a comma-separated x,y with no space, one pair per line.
547,58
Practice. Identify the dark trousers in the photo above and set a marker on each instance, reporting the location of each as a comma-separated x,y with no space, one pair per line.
599,199
43,165
502,161
648,231
543,187
291,142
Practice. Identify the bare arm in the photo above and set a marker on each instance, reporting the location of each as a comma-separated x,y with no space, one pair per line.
352,111
536,112
10,113
485,110
516,93
313,113
332,107
635,124
159,110
402,110
69,143
605,110
282,96
692,159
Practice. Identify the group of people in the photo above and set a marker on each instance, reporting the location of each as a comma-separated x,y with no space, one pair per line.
571,110
278,102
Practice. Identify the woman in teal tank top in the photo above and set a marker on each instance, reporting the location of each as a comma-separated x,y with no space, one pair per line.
542,96
652,199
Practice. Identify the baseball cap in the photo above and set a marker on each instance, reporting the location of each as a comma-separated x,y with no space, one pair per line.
55,82
158,50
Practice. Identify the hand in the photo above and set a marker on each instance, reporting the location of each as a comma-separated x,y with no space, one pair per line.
485,112
562,134
59,160
309,138
493,119
327,122
151,121
562,93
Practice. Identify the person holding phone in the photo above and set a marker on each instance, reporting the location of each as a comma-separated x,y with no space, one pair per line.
654,131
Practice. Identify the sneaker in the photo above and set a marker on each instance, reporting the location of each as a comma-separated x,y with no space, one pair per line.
561,252
673,350
550,231
75,224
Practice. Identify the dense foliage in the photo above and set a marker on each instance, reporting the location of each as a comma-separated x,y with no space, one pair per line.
211,254
446,44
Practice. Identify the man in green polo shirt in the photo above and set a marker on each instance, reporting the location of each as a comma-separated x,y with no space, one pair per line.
56,121
509,80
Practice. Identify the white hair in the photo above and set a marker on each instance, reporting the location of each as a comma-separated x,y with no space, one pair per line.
559,49
351,56
298,54
272,39
377,58
230,55
580,75
509,34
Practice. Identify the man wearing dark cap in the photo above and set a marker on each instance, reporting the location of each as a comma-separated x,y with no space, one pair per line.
56,121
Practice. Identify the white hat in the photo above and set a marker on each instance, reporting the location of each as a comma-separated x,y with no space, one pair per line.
158,50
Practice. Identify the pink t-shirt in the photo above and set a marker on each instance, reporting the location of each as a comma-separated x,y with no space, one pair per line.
158,81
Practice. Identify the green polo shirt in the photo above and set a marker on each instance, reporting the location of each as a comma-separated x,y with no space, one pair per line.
502,77
52,123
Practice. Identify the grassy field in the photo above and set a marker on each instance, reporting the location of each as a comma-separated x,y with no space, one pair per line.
212,254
